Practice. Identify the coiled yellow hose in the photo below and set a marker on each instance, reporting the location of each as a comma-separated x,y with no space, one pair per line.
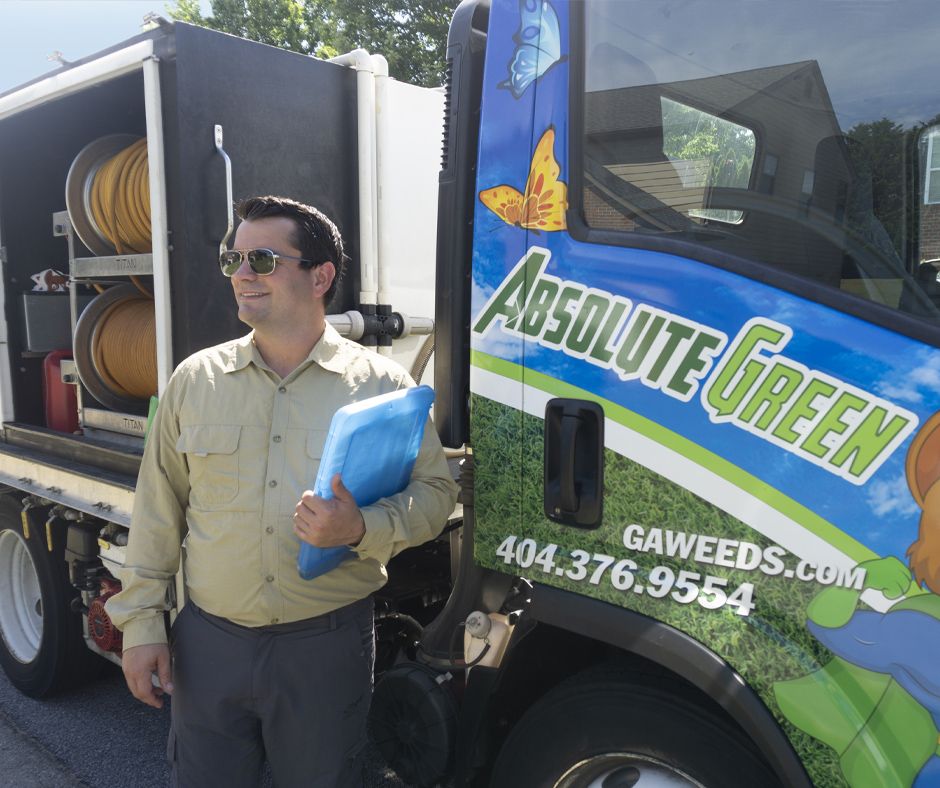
120,200
123,348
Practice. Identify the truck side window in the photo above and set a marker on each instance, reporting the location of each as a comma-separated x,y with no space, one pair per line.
707,152
769,147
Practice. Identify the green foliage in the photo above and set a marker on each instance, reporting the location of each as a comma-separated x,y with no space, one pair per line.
411,34
889,163
878,152
690,134
280,23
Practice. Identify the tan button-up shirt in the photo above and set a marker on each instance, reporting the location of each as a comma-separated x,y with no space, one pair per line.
231,450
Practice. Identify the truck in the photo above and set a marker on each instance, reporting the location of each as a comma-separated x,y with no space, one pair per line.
685,342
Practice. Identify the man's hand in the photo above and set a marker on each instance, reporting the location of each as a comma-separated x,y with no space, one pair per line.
329,523
138,664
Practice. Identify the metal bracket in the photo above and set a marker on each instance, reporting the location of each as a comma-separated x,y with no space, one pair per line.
228,187
61,224
381,325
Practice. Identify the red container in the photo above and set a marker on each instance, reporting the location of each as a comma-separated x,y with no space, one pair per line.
58,398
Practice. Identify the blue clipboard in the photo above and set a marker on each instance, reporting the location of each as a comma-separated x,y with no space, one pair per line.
373,445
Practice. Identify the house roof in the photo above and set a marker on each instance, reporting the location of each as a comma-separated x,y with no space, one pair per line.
636,108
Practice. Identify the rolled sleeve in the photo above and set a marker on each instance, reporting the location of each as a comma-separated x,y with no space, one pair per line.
143,630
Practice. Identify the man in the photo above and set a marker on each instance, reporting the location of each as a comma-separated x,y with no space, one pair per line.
265,664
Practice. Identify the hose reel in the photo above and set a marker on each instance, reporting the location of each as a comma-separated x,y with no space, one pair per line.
107,194
115,348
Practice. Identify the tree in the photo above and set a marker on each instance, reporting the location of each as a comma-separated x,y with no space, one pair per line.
879,152
690,134
890,160
412,34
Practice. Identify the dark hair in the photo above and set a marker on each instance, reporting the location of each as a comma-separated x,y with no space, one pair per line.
316,236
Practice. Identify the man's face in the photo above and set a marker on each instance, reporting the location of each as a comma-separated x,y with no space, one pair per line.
290,297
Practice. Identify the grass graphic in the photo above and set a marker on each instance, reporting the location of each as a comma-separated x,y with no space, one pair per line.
769,645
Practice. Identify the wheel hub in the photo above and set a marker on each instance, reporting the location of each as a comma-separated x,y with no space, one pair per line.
624,770
20,598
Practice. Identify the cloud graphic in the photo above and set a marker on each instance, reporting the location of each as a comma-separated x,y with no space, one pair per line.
912,384
891,497
788,312
481,293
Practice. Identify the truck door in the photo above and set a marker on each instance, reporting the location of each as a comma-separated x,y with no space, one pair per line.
504,225
707,390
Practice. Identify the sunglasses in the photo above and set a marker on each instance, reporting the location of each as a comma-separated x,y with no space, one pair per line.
261,261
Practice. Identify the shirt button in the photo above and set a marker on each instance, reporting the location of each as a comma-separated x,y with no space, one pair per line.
269,529
276,439
270,578
282,389
272,483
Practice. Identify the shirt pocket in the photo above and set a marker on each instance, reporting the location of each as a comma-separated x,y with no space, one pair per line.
212,454
316,439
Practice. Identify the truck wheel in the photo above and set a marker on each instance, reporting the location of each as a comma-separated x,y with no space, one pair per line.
42,649
598,729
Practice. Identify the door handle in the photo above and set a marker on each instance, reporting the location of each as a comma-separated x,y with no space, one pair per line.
568,484
574,462
218,136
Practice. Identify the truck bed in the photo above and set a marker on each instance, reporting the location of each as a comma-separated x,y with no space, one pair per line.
72,470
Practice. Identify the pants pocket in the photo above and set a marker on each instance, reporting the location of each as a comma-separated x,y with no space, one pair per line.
171,748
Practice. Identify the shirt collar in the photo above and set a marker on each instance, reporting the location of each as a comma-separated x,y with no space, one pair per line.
243,352
331,352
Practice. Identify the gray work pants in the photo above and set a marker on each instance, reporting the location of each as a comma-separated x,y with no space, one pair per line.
295,694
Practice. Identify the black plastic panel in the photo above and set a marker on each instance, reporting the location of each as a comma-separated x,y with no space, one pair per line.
465,49
289,126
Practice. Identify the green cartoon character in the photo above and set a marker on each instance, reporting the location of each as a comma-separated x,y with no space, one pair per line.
877,703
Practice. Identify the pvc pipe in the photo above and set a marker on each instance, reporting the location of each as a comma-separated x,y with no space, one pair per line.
76,78
365,93
415,326
352,324
349,324
158,223
382,188
384,192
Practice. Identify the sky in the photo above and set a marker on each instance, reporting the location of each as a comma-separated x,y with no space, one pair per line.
31,30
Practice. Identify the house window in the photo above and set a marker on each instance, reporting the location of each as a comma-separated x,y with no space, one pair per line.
932,180
809,180
768,173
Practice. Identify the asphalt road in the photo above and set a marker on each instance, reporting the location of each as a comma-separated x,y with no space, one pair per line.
97,737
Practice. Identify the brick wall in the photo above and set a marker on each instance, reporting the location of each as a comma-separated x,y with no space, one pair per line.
929,232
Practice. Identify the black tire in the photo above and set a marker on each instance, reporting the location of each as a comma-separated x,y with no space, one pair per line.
603,724
42,650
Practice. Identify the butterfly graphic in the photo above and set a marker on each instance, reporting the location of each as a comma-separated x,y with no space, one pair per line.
542,206
538,45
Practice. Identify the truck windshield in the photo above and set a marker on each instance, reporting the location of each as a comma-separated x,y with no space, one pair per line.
802,135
